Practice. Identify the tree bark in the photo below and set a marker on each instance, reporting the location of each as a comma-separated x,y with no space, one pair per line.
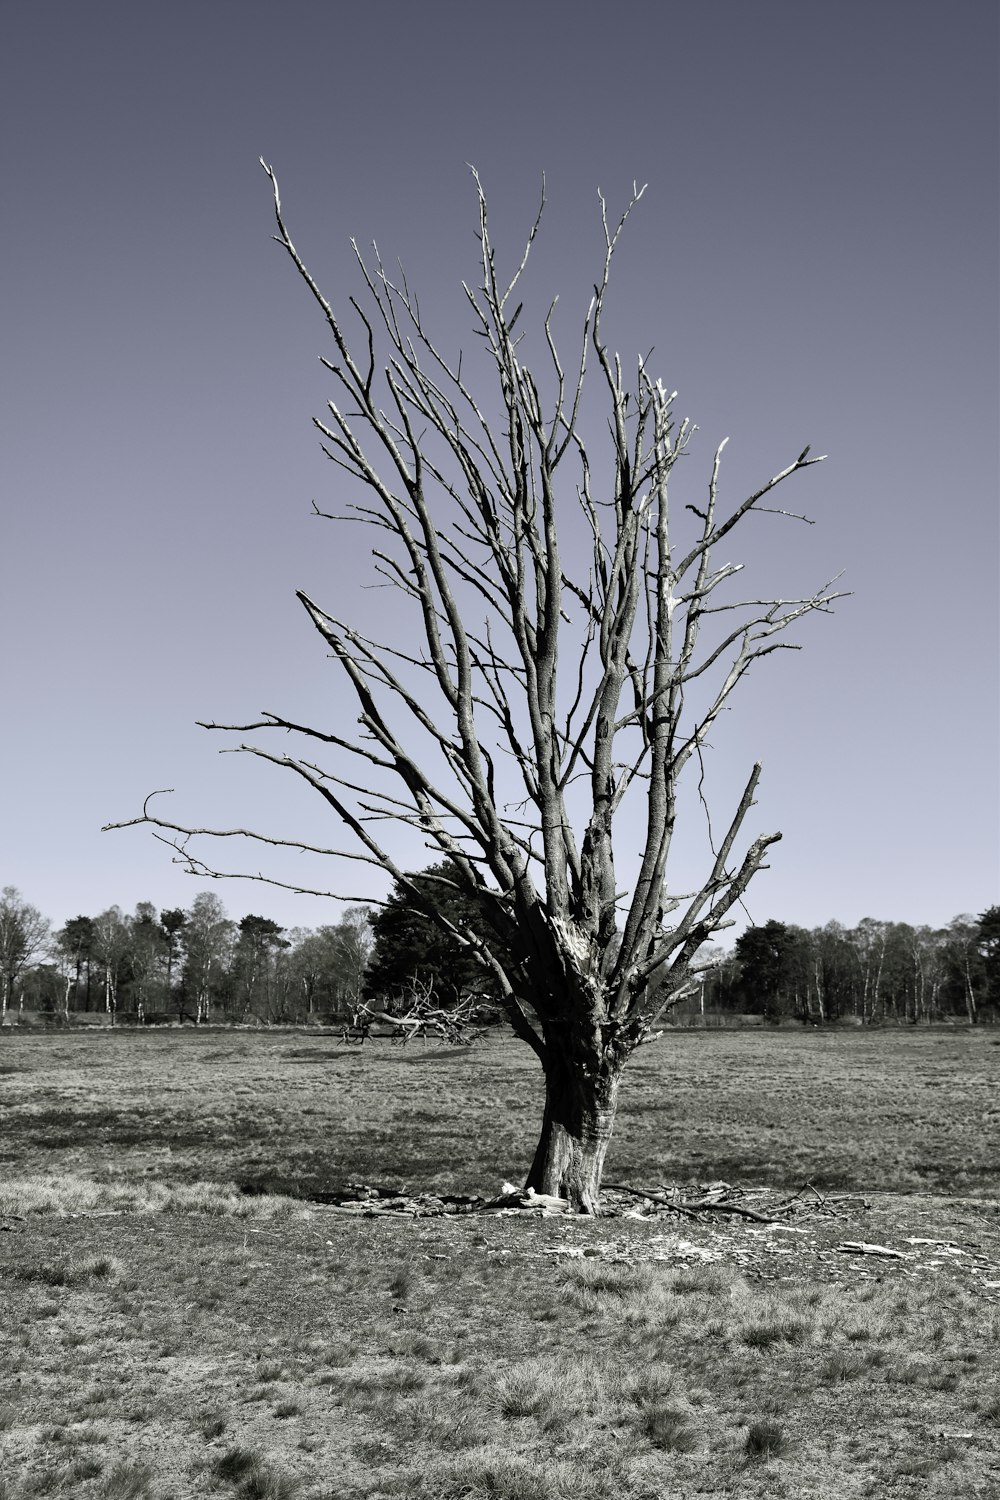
580,1106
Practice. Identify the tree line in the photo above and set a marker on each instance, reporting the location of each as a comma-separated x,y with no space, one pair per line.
875,973
198,964
194,964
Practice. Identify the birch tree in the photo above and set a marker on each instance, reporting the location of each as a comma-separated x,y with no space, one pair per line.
112,944
580,634
207,939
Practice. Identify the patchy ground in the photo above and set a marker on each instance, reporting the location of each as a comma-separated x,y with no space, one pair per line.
165,1336
177,1355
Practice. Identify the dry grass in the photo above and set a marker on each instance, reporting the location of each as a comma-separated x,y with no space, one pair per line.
166,1336
283,1112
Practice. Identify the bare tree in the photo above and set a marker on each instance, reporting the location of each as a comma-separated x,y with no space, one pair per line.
578,641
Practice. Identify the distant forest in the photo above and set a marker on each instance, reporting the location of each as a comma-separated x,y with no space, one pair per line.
200,965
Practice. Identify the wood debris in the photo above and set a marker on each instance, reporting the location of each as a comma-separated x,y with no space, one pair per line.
760,1205
660,1248
860,1247
721,1198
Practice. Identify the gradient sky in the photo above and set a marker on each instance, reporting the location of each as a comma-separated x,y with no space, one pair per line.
815,261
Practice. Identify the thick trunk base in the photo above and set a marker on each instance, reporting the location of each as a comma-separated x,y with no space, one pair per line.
576,1131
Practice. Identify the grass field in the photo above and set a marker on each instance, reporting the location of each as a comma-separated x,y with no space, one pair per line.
183,1316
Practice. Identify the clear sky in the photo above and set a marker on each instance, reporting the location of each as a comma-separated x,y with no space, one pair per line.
815,261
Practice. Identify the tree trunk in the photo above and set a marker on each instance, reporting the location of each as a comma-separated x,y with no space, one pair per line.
970,996
580,1106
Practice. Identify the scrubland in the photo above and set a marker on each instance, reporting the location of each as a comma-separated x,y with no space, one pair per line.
185,1314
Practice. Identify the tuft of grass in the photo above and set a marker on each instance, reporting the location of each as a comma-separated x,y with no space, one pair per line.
841,1365
709,1280
989,1409
403,1283
765,1334
128,1481
765,1440
606,1278
338,1355
235,1464
69,1273
254,1478
913,1467
213,1426
86,1467
520,1393
265,1483
434,1420
649,1385
668,1427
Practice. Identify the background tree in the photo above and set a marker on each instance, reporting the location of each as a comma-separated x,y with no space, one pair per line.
579,639
44,988
171,925
310,965
352,942
23,935
253,970
112,945
76,942
207,939
66,967
146,951
763,956
869,941
329,964
988,923
411,950
965,966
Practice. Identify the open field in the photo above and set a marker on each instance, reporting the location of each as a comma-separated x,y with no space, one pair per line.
183,1316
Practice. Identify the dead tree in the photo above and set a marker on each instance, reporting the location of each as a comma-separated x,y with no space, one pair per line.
417,1014
578,642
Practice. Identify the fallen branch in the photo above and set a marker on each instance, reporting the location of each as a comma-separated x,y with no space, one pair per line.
727,1208
859,1247
649,1195
700,1205
807,1187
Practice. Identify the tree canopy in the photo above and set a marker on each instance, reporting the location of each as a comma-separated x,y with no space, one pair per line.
411,952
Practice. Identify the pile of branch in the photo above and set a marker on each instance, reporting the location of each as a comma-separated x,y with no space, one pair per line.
760,1204
459,1025
362,1201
